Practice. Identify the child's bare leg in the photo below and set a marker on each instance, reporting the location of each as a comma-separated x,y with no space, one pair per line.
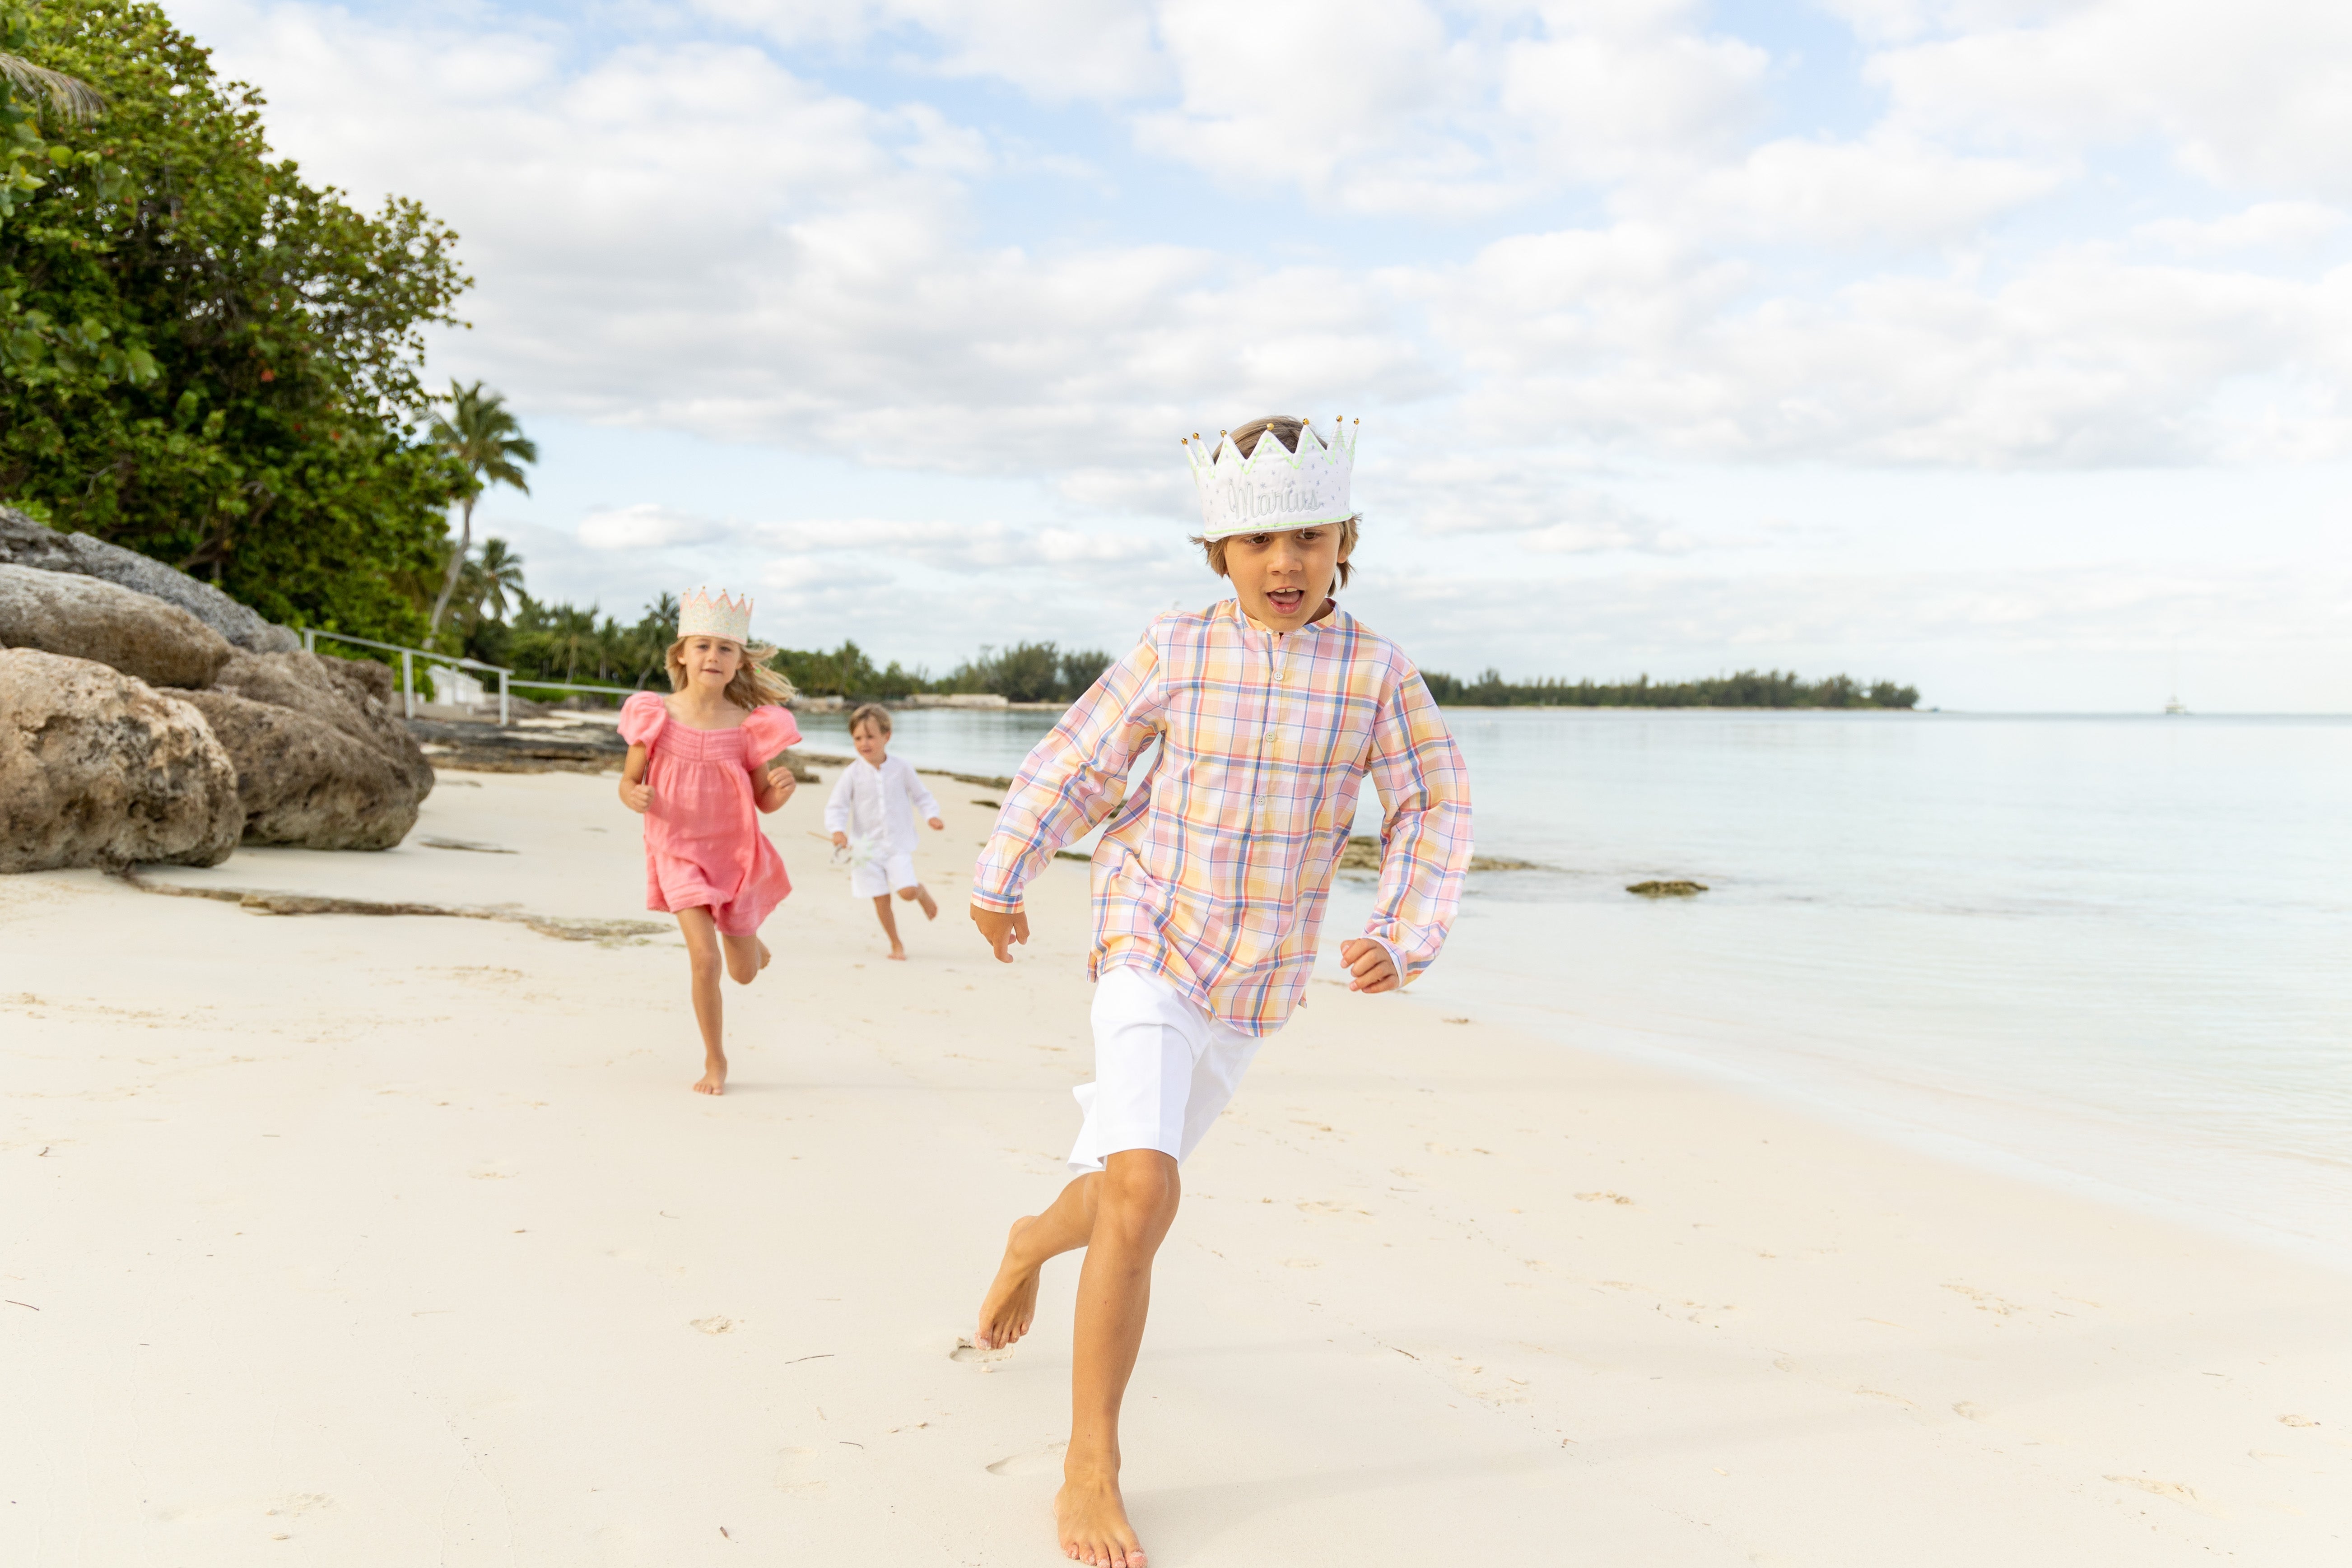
922,896
746,956
709,1009
889,923
1006,1311
1134,1205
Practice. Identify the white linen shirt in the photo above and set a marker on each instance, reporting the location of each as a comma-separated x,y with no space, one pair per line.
867,800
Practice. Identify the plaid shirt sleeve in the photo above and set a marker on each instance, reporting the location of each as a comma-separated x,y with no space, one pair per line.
1425,833
1074,778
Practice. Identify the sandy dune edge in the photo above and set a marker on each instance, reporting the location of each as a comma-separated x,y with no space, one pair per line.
359,1240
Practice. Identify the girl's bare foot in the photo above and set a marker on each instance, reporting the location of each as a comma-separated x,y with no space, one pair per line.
898,955
1091,1520
714,1076
1011,1304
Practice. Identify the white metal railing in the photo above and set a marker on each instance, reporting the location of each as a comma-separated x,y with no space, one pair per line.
408,657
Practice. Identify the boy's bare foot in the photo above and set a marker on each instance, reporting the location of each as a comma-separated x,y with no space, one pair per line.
898,955
714,1076
1091,1519
1011,1304
930,905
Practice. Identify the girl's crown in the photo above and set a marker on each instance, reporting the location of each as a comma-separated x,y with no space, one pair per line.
1273,489
700,615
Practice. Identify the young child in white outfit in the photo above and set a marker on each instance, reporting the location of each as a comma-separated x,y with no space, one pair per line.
874,802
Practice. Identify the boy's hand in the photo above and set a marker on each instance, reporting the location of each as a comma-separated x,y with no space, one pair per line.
636,797
841,841
938,826
1368,964
1000,928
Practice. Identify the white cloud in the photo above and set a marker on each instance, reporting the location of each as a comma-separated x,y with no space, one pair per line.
645,526
1886,189
2290,226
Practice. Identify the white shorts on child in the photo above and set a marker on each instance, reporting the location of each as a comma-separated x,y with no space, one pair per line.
888,875
1163,1069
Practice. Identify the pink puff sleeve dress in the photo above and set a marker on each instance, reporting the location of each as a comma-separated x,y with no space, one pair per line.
704,848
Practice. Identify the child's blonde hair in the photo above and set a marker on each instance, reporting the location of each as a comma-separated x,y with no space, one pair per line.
1286,430
754,685
870,713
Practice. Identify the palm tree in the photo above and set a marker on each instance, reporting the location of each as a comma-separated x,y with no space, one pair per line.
69,96
493,573
486,442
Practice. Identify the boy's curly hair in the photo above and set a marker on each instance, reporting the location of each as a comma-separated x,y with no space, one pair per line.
1286,430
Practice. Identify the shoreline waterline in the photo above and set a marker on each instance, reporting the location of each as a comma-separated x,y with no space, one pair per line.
2104,950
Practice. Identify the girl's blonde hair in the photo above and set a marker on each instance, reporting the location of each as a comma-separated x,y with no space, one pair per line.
754,685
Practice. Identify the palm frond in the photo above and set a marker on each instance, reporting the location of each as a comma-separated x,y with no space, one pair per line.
69,96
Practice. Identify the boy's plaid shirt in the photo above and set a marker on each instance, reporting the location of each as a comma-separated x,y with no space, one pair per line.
1213,873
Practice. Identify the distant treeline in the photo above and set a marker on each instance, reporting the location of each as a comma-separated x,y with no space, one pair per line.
1748,688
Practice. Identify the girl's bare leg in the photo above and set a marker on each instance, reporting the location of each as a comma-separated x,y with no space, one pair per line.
890,924
746,956
1134,1206
702,957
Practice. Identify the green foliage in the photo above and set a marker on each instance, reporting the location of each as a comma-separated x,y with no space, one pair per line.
1748,688
1029,672
482,438
203,358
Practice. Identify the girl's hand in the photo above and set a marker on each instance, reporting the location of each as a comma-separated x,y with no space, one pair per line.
636,797
939,826
780,783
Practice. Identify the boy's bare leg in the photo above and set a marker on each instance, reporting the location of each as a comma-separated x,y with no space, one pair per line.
890,924
1006,1311
922,896
702,957
1134,1205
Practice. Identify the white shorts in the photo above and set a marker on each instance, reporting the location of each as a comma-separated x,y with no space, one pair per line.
878,879
1163,1071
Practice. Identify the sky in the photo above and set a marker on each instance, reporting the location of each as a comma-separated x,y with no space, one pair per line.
1994,346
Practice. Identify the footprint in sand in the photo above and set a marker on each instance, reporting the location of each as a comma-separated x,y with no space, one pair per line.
967,1350
1603,1198
713,1325
2173,1490
1038,1461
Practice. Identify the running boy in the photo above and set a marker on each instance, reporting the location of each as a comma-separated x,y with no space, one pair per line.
1209,886
870,800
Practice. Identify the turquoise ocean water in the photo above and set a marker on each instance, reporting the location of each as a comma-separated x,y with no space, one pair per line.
2109,953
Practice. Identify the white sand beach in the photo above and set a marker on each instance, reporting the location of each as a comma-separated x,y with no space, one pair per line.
348,1240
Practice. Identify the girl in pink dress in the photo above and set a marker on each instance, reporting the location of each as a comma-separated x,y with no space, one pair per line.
699,761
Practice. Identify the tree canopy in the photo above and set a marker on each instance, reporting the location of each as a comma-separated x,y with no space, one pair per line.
203,358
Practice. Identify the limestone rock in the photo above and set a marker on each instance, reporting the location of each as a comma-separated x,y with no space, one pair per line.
88,618
100,769
353,696
1667,889
25,542
304,781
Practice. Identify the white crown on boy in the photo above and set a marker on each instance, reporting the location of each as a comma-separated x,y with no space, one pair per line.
700,615
1274,489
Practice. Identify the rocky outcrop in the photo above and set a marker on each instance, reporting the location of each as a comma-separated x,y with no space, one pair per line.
88,618
321,760
98,768
351,696
25,542
1667,889
303,781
